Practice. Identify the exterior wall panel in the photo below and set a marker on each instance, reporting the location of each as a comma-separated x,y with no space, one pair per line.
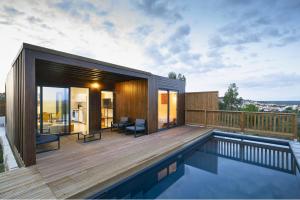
20,89
157,82
131,99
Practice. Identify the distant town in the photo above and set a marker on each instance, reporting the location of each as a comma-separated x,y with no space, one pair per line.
265,106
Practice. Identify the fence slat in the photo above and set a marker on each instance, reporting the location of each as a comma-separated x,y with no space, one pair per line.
270,124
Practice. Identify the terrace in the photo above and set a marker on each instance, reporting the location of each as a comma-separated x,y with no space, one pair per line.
78,170
68,93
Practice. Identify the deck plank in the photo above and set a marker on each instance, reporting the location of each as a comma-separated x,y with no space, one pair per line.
24,183
78,169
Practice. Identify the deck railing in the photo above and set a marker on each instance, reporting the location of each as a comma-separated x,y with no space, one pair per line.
264,123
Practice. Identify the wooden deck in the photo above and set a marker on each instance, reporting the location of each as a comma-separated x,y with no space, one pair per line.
78,170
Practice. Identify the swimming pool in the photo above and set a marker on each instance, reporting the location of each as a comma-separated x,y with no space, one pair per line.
217,166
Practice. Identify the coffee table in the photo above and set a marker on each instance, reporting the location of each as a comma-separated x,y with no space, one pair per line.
88,137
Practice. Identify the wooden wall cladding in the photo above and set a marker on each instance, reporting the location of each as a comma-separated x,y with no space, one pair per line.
202,100
131,99
21,109
154,84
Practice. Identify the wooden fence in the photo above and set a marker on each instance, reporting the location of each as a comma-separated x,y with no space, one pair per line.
262,123
202,100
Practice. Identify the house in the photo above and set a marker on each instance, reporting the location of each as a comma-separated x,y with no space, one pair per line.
52,91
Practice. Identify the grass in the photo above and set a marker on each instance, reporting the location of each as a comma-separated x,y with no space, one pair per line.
1,160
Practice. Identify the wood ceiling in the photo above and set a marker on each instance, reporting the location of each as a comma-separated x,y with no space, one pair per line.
50,72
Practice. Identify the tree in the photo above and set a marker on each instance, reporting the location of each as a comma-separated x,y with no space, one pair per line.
181,77
231,99
250,108
221,105
172,75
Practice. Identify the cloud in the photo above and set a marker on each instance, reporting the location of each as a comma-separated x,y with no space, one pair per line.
109,26
34,20
144,30
176,52
80,9
272,80
11,11
286,41
178,41
250,24
162,9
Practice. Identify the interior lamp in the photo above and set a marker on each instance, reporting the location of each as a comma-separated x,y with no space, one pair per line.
95,85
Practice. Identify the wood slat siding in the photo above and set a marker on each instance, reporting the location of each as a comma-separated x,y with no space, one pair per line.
131,99
20,98
154,84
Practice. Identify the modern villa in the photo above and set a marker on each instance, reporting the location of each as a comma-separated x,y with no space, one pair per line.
125,133
57,92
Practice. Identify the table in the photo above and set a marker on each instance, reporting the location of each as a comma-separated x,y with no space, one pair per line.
88,137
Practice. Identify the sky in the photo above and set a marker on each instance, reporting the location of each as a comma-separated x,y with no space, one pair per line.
255,44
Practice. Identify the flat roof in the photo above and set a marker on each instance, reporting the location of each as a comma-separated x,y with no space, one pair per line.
77,57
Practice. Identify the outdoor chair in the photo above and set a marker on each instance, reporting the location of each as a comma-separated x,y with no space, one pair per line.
121,124
46,139
139,127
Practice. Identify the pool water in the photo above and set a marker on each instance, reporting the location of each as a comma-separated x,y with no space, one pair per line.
220,167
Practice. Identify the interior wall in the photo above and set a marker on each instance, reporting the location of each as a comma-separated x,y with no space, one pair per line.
131,99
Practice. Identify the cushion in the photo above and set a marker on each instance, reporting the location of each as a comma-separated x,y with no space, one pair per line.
140,122
132,128
115,125
44,139
123,120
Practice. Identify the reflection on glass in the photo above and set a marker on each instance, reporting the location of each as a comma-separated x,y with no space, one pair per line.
55,106
172,108
106,108
79,109
162,109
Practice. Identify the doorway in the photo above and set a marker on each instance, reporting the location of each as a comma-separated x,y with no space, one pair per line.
167,108
52,109
107,108
79,109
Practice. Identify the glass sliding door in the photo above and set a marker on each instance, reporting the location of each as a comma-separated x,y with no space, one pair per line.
162,109
167,108
79,109
53,110
107,114
173,108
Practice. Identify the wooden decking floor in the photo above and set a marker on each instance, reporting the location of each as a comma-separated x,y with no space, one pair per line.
78,170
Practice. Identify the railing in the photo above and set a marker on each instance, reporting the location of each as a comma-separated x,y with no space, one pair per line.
270,156
264,123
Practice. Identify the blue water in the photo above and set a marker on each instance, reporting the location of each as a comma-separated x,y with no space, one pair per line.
219,168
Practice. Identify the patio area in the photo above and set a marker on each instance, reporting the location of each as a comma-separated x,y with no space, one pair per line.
79,169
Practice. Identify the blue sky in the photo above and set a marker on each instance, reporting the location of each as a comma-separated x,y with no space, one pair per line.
255,44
